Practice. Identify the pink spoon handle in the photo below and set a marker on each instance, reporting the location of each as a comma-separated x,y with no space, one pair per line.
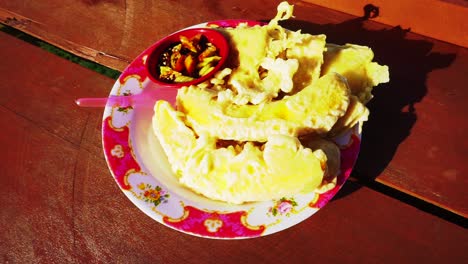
147,97
91,102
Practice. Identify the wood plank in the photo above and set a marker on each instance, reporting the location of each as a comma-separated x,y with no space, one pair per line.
36,219
441,19
114,32
42,136
41,139
33,97
129,26
59,202
360,226
429,161
423,103
413,141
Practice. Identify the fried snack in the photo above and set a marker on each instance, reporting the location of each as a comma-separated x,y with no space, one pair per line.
241,172
315,109
263,127
354,62
357,113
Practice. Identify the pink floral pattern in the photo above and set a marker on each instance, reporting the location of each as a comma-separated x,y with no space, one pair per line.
283,206
154,195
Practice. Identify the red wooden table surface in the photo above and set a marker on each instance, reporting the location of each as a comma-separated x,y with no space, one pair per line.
59,202
414,139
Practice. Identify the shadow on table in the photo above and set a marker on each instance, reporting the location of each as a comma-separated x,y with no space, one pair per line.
393,108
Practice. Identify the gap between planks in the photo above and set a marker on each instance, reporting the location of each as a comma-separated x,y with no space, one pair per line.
17,26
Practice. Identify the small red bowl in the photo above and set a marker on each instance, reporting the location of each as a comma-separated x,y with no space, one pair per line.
155,51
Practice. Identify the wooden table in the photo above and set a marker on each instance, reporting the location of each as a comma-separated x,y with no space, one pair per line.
405,203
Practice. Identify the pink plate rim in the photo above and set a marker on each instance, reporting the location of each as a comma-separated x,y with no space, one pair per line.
152,195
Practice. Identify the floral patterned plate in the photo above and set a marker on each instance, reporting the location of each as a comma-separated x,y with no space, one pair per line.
140,168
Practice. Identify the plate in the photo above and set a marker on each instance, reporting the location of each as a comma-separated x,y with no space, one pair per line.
141,170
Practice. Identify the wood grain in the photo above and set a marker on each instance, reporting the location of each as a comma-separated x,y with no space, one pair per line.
36,185
443,20
413,141
114,32
59,202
